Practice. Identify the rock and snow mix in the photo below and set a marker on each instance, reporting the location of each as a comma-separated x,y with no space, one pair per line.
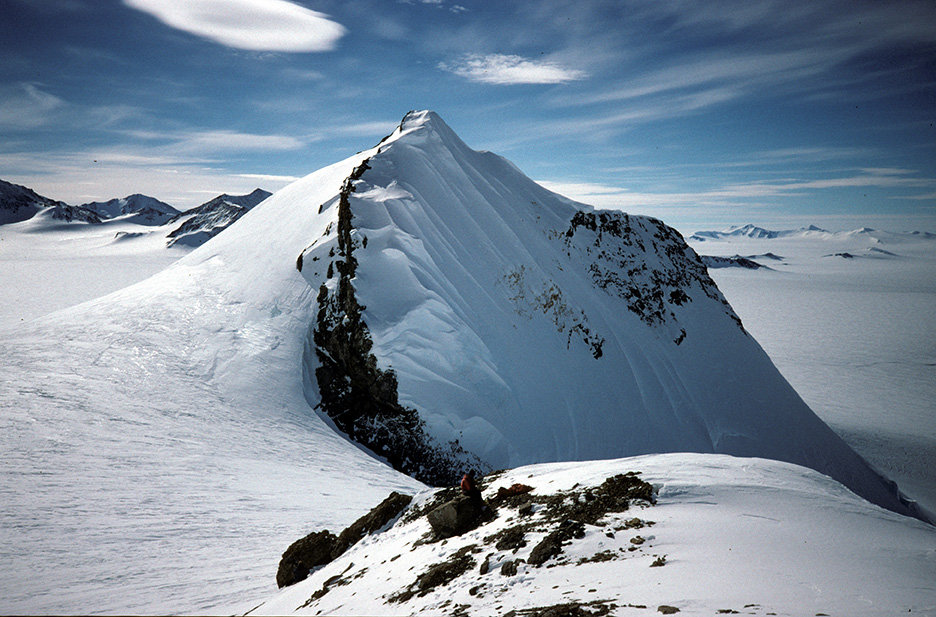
694,534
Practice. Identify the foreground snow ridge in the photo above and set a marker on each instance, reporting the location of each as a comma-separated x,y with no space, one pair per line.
718,535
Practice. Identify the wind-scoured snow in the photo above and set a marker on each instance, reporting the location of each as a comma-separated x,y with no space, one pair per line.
161,446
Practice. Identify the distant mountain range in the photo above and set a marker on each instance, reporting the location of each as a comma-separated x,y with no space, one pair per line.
211,218
189,228
759,233
140,209
857,243
753,231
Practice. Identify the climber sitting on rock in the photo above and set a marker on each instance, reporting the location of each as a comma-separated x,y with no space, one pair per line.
469,488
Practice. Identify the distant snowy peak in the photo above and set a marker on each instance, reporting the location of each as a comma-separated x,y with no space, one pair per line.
866,234
140,209
69,214
18,203
247,201
752,231
211,218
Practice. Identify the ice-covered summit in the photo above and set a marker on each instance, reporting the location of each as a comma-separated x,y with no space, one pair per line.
503,324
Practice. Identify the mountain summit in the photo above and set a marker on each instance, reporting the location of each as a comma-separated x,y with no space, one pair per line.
211,218
466,315
137,208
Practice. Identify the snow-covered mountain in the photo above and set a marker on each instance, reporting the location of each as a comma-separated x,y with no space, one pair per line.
753,231
502,319
200,224
179,433
139,209
18,203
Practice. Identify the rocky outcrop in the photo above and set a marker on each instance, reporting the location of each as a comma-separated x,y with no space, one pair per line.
321,547
620,264
714,261
372,522
523,529
356,394
303,556
456,517
18,203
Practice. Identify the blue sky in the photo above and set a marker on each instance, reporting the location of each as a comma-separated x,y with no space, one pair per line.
703,114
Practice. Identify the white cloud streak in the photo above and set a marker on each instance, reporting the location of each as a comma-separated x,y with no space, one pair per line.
26,105
747,194
255,25
504,69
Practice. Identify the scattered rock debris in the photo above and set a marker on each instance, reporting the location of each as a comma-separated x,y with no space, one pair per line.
536,528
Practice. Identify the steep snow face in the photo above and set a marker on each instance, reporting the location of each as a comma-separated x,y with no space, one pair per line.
525,327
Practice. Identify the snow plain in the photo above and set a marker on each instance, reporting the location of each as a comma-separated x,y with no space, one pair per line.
159,453
854,336
47,265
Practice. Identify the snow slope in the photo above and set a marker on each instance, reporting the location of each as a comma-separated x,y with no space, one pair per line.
158,447
47,264
743,536
853,336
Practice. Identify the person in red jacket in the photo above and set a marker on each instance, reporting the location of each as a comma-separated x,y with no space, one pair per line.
470,488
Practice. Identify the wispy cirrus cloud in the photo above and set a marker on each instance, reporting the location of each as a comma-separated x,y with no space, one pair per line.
255,25
188,145
750,194
27,105
502,69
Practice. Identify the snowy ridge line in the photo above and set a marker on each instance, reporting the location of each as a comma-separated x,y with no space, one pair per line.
704,534
358,396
